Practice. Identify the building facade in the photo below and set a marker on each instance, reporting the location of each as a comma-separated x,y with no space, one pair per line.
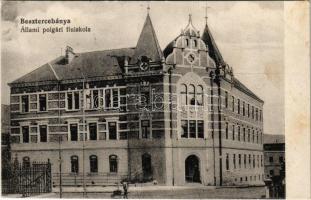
176,115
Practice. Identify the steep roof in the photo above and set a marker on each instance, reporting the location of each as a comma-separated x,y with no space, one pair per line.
214,52
148,44
88,64
242,87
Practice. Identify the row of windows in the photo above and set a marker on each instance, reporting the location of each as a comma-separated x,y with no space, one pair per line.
93,161
271,160
250,136
247,110
108,98
191,95
195,42
192,128
237,161
251,178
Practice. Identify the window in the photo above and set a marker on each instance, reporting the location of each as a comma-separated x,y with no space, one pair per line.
184,128
192,94
199,95
243,108
183,94
226,99
260,115
74,164
239,133
258,161
244,137
227,161
233,132
93,164
232,103
42,102
261,164
234,164
271,172
112,127
93,131
239,160
73,100
144,96
73,132
239,106
249,135
43,133
254,162
200,129
95,99
26,162
256,114
25,131
227,130
187,42
25,103
253,136
192,128
244,160
108,98
145,128
252,112
271,159
115,97
195,43
247,110
281,159
113,163
249,160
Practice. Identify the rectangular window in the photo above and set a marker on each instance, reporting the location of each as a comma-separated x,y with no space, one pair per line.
227,161
95,99
247,110
252,112
249,160
249,135
244,137
200,129
239,133
93,131
184,128
256,114
25,103
281,159
43,133
260,115
239,108
257,137
253,136
73,132
271,172
234,164
108,98
258,161
115,98
243,108
73,100
261,164
42,102
233,132
227,130
239,160
232,103
145,128
254,162
226,99
270,159
25,131
244,160
112,127
192,128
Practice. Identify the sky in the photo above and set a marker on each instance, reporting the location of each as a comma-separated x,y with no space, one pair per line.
250,37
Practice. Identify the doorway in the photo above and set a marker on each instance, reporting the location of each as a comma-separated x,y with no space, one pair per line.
146,167
192,169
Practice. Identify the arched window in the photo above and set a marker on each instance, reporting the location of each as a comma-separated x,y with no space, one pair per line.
93,164
191,94
183,94
195,42
74,164
113,163
227,161
187,42
26,162
199,95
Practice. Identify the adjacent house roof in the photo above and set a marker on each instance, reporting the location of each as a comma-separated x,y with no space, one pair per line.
148,44
88,64
270,138
213,50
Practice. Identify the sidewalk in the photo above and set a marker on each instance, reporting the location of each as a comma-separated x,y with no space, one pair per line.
132,188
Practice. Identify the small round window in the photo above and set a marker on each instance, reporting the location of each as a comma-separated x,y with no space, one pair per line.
191,58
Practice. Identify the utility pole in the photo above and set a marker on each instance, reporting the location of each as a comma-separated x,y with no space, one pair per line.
60,166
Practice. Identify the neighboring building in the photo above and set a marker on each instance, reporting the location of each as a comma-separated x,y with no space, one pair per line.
5,137
149,113
274,151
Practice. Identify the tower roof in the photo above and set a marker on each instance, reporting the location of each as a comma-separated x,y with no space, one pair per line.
190,30
214,52
148,44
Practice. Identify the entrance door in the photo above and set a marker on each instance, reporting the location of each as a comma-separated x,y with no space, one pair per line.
146,166
192,169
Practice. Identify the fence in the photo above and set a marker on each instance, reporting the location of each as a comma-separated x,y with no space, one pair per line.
27,178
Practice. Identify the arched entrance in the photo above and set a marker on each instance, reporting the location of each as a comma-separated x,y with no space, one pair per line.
192,169
146,166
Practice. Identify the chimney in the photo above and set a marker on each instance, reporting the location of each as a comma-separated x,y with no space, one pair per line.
69,54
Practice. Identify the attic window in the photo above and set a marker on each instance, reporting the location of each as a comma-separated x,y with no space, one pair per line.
187,42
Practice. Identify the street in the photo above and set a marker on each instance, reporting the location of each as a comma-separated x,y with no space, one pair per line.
195,193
